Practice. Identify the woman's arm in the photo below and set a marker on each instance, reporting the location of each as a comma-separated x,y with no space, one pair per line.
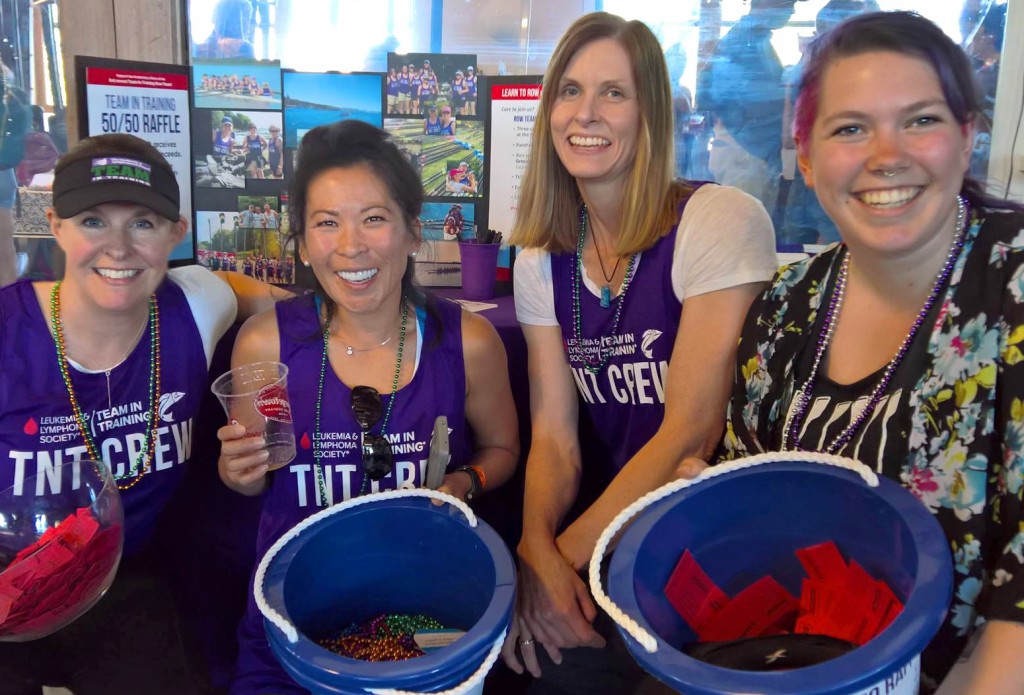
699,383
490,410
253,296
243,460
554,603
994,667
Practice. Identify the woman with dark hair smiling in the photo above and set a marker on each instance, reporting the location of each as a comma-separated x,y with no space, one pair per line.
900,346
368,340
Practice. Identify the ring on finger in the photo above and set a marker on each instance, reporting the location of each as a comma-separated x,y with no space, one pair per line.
526,642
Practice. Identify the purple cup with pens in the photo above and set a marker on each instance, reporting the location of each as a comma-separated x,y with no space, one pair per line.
480,264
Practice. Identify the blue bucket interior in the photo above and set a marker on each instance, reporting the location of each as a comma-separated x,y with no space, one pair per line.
395,556
747,524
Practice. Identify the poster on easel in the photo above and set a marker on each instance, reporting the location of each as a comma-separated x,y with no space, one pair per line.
150,101
511,108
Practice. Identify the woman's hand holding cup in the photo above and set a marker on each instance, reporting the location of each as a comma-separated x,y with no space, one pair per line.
243,460
259,435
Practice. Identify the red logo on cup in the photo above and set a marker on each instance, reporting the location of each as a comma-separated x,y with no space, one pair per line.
272,403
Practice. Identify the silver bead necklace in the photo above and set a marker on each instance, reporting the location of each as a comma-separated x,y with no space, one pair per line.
802,398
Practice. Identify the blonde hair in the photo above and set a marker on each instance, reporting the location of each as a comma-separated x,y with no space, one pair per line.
549,200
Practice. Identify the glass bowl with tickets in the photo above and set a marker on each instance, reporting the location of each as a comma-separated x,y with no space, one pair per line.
61,532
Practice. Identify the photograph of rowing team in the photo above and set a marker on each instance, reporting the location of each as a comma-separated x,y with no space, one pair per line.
237,85
249,240
240,145
449,165
417,81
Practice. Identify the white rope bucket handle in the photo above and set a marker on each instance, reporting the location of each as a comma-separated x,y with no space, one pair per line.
644,638
278,620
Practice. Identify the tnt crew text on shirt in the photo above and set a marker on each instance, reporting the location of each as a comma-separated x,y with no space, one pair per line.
117,446
637,383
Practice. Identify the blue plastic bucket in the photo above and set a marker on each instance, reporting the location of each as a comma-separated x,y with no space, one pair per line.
394,552
744,520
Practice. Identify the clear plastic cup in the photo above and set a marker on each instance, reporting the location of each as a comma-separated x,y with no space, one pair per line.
256,397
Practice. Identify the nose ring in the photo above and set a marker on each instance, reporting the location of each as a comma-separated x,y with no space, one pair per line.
887,174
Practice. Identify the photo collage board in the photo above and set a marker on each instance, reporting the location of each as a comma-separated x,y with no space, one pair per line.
431,110
240,172
249,117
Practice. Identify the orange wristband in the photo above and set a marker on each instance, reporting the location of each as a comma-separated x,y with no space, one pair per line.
483,477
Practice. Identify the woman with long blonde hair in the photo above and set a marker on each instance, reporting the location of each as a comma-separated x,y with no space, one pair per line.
631,294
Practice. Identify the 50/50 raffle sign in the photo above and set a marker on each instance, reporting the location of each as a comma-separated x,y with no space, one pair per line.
148,100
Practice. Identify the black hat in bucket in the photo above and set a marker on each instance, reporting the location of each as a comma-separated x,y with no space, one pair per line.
772,653
115,176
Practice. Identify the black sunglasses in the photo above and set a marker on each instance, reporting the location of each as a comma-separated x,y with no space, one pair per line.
368,409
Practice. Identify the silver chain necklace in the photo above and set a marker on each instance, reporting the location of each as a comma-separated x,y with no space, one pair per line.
351,350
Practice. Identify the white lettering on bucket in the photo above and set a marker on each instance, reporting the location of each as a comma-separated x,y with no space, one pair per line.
903,681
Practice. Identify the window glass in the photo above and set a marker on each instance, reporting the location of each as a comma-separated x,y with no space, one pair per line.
734,64
311,35
34,110
513,38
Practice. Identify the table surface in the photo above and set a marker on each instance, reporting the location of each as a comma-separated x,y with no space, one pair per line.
503,315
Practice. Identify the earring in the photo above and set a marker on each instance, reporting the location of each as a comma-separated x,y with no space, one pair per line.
305,263
412,255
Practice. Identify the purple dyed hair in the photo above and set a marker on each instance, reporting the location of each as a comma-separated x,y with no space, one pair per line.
906,33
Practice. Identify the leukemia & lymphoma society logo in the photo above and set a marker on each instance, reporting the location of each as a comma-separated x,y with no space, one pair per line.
57,429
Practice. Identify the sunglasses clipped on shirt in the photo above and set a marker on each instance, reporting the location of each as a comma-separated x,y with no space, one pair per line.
368,409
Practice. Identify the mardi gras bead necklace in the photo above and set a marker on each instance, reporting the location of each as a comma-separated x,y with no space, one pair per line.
321,483
802,398
388,637
145,458
604,354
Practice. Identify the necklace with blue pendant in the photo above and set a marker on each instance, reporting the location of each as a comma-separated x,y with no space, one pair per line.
595,366
606,289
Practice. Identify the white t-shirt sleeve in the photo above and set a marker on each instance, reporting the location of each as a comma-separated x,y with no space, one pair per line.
534,291
725,238
212,302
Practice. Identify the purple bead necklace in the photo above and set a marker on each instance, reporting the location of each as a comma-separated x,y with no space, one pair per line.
802,398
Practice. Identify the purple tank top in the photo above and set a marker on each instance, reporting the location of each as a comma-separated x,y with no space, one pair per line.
222,146
38,432
622,406
437,388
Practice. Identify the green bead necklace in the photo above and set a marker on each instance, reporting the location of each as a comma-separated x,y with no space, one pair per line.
145,458
321,483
